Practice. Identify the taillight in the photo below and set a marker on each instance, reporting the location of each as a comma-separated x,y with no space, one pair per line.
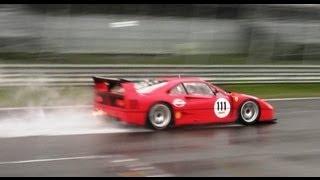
120,102
101,87
99,99
133,104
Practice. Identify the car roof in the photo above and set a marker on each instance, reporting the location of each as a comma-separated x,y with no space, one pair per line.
172,81
180,79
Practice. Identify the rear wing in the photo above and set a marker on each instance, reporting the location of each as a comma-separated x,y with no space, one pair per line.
111,80
113,91
105,84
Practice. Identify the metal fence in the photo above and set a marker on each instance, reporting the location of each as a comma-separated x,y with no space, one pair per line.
80,75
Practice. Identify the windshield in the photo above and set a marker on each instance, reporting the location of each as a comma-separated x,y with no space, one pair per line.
217,88
198,88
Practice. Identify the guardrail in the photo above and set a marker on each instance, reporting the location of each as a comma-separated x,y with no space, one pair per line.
80,75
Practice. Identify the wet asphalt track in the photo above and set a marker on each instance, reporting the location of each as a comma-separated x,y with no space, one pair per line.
291,147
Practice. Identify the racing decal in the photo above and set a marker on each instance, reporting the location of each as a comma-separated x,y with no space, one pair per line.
178,102
222,107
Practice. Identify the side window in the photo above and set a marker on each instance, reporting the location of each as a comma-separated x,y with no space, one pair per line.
178,90
198,88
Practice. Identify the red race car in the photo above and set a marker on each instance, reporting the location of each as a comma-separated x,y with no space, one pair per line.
168,102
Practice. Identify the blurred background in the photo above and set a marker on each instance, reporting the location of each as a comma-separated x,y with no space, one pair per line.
267,50
49,53
160,33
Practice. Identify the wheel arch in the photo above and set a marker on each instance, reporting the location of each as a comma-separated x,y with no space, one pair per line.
147,122
241,104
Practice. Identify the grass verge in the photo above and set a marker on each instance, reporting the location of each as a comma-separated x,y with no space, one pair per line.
70,58
99,58
277,90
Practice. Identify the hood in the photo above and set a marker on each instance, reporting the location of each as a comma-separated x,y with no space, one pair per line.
242,97
235,94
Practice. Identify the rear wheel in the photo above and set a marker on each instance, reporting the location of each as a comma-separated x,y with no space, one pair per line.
249,112
160,116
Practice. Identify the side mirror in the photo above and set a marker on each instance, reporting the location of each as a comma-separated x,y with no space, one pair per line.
215,91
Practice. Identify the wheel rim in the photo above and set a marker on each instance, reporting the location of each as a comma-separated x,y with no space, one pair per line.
160,116
249,111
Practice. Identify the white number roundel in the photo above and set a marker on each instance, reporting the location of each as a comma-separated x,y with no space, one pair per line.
222,107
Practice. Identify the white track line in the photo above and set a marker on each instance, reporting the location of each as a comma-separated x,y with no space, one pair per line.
291,99
142,168
54,159
124,160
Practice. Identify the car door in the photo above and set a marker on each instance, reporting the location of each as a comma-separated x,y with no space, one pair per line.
200,101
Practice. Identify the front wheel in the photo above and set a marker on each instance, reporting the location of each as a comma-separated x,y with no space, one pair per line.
160,116
249,112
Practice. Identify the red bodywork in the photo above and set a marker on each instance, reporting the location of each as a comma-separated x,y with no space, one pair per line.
132,107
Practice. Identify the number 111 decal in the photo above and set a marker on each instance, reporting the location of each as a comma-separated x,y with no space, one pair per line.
222,107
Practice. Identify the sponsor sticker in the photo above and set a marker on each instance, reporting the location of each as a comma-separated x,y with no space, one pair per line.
178,102
222,107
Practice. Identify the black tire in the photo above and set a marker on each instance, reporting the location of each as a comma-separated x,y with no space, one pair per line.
160,116
249,112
